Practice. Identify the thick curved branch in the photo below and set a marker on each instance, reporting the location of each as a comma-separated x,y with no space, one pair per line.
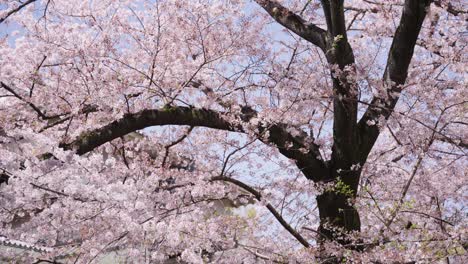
307,156
186,116
295,23
396,72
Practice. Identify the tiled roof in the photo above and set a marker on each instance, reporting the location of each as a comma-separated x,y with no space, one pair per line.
23,245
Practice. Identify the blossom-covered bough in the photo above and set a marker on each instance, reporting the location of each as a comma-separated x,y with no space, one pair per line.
78,80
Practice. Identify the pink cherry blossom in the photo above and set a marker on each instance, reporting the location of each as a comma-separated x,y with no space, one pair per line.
264,131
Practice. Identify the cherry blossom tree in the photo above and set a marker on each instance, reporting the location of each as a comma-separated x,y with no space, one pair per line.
331,131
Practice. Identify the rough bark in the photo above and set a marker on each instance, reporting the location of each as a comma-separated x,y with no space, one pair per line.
337,213
353,141
308,161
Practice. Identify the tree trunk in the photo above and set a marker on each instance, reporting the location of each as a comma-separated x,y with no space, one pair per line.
337,216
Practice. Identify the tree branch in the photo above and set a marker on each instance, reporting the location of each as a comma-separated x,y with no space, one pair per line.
270,208
307,156
14,10
341,59
396,72
33,106
186,116
450,9
294,22
167,147
456,142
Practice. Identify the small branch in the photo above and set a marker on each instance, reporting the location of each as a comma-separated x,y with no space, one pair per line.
124,157
123,235
415,169
49,190
428,215
223,170
35,73
60,121
270,208
58,192
450,9
260,256
46,261
394,136
455,142
14,10
186,134
315,231
305,7
33,106
405,191
354,19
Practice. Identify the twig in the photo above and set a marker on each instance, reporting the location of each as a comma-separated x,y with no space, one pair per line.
33,106
11,12
175,143
275,213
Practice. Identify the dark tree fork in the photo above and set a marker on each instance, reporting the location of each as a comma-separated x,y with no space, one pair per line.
353,139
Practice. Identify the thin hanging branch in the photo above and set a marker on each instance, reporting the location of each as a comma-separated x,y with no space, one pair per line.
270,208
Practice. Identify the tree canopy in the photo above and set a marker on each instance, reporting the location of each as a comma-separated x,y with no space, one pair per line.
326,131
